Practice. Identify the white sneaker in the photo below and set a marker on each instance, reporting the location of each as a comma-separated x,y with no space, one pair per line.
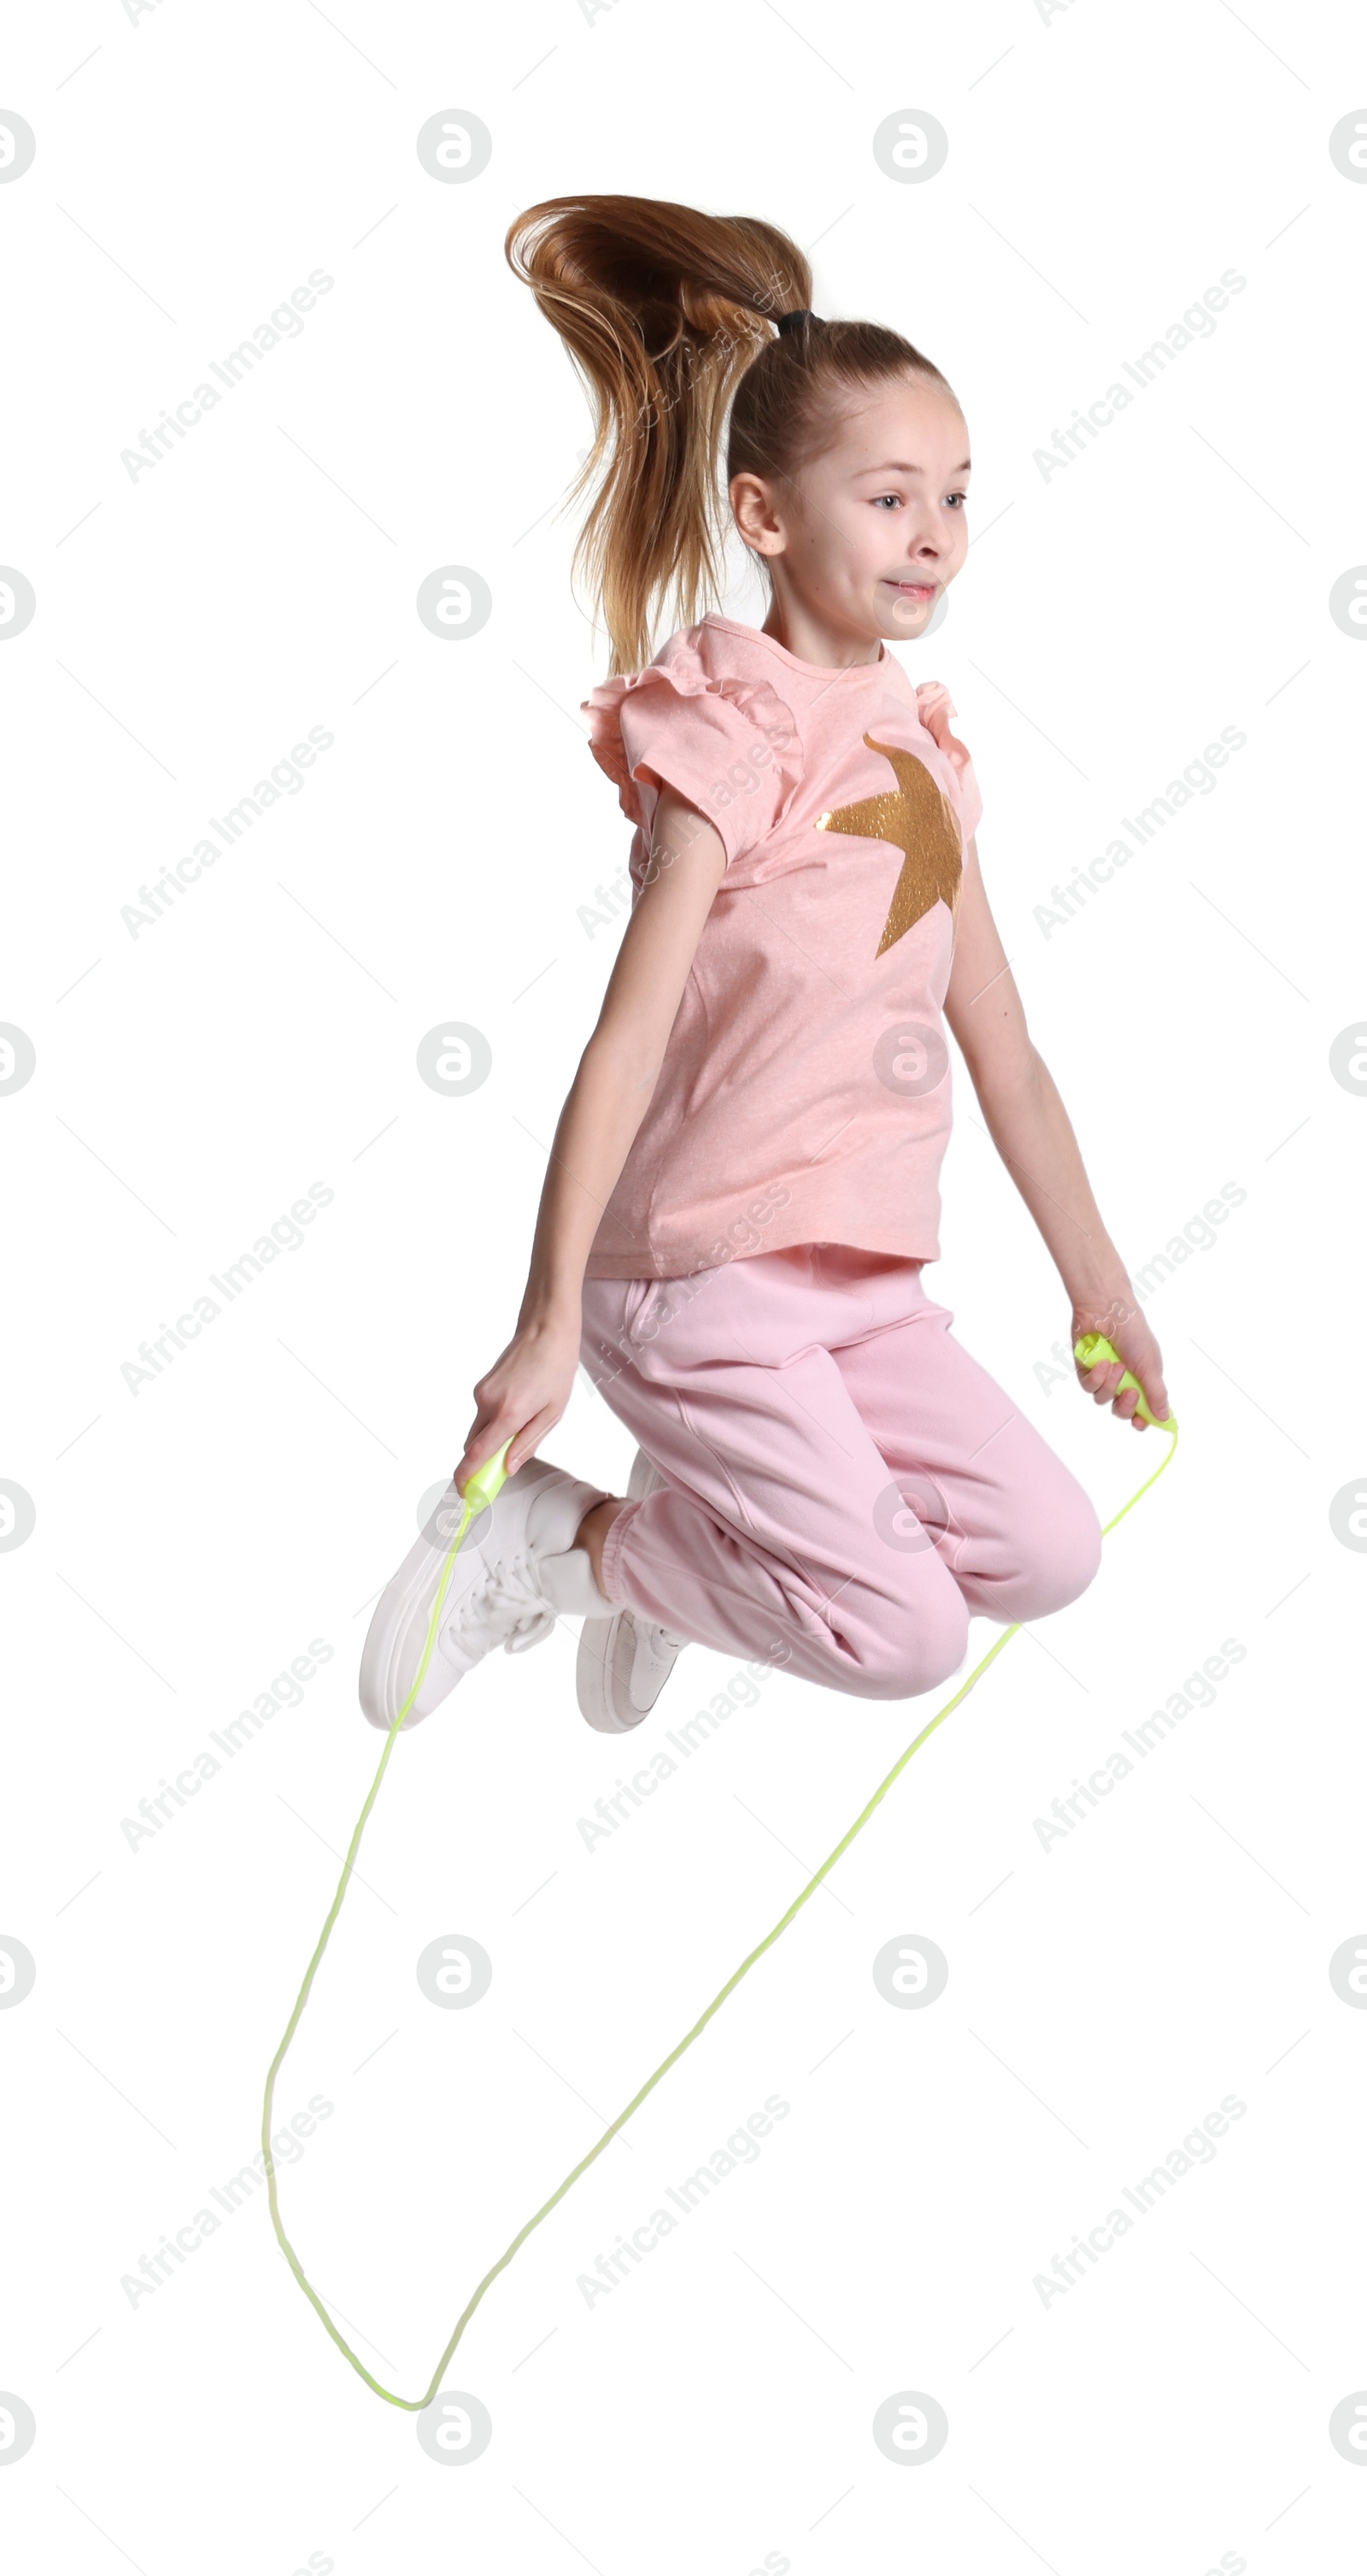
625,1660
494,1594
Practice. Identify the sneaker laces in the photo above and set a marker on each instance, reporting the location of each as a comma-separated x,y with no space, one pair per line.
506,1585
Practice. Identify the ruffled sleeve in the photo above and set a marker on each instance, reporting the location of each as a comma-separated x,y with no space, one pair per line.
934,706
731,747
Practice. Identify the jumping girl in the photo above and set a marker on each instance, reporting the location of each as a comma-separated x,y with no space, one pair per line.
743,1191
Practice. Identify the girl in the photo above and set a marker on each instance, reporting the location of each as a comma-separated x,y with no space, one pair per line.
743,1189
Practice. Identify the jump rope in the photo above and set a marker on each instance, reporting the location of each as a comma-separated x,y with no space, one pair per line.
479,1493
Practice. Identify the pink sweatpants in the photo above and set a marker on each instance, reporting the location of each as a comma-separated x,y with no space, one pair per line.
844,1482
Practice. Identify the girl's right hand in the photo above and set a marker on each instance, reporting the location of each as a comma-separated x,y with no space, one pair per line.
1126,1329
524,1394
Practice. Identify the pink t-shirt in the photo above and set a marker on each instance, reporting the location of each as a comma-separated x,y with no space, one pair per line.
804,1095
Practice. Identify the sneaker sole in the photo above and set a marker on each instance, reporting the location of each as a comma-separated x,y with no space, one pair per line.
403,1614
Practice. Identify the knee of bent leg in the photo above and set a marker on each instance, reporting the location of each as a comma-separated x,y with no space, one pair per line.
921,1648
1059,1554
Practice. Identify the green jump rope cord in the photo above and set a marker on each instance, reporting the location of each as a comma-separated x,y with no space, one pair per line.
1092,1348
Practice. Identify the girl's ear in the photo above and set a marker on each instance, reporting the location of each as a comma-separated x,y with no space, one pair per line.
753,512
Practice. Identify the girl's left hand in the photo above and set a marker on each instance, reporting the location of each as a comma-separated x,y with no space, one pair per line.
1124,1327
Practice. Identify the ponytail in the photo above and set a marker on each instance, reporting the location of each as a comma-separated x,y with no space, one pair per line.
671,319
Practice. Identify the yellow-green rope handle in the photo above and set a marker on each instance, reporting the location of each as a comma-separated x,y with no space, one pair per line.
1094,1347
481,1489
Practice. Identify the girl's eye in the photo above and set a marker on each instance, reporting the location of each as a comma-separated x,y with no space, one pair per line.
961,498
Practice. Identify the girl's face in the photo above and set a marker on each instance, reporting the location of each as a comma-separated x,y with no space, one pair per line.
866,537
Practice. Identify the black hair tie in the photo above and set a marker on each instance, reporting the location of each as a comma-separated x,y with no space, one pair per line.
791,321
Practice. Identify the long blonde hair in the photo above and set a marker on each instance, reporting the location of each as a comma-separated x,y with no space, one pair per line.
671,319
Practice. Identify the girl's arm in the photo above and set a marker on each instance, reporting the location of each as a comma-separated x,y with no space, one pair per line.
528,1387
1030,1128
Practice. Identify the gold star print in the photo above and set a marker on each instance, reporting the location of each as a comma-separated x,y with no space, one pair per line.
920,822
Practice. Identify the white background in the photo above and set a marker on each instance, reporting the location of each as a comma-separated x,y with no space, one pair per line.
1171,2410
